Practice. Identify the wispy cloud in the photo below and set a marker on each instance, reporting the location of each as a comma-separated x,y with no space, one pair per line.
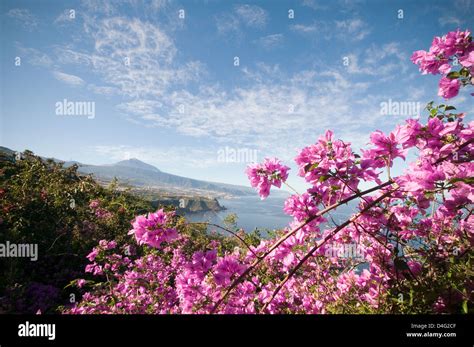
68,79
383,61
232,23
356,29
450,21
252,15
227,23
315,4
274,115
351,29
135,57
24,16
268,107
35,57
65,17
103,90
270,41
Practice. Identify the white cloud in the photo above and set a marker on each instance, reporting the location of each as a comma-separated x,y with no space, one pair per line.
274,112
65,16
276,115
231,23
68,79
252,15
270,41
349,30
34,56
100,7
315,5
143,108
356,29
450,21
385,61
227,24
103,90
27,19
137,58
305,28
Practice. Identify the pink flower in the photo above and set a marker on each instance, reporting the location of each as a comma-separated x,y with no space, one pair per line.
263,176
154,229
300,207
94,204
429,62
448,88
102,213
92,255
408,133
468,61
386,149
226,268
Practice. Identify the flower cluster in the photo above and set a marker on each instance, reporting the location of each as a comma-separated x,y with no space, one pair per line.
445,53
154,229
99,212
263,176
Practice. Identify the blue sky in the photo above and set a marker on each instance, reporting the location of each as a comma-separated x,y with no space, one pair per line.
166,90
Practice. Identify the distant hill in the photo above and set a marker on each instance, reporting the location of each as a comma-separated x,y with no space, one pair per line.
139,174
136,173
7,151
136,164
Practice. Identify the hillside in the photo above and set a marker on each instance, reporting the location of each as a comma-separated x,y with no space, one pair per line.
136,173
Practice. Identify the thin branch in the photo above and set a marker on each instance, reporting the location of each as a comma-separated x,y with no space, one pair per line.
289,234
229,231
327,238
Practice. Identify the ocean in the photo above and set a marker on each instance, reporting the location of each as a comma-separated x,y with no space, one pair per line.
255,213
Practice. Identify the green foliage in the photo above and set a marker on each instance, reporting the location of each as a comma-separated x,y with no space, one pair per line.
43,203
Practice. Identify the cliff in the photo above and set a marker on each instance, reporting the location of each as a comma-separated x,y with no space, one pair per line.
189,204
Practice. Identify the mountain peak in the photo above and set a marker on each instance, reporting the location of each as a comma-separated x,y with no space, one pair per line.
136,163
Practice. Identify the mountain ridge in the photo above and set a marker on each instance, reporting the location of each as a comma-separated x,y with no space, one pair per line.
137,173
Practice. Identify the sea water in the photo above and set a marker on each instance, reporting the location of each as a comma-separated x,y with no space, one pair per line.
254,213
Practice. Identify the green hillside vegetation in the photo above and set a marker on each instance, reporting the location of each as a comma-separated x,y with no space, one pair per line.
44,203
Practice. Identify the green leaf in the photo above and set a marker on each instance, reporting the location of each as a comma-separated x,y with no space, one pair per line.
467,180
323,178
464,72
453,75
310,167
449,108
464,306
